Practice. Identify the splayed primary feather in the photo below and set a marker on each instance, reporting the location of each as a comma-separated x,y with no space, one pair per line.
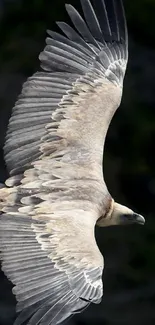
53,150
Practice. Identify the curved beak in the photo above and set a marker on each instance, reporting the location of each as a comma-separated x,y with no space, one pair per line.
138,219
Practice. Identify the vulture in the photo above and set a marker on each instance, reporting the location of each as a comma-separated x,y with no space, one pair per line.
55,193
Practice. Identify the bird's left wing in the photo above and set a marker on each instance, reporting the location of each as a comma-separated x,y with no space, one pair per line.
54,262
53,151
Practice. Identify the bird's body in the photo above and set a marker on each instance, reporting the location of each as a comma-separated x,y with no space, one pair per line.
54,150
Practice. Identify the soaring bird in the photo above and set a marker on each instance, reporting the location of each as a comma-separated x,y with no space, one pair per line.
56,193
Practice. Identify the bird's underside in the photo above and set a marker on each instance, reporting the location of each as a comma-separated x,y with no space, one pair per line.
53,151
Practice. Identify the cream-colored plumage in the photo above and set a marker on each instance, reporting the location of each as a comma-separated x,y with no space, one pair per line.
54,150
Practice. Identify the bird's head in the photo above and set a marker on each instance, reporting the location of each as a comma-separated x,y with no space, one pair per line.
120,215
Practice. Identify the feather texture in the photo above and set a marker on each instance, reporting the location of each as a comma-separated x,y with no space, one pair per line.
53,151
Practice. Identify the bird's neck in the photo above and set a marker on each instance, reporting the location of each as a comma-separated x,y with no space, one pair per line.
105,220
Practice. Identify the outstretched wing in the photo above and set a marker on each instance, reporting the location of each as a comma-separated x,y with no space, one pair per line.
53,150
53,261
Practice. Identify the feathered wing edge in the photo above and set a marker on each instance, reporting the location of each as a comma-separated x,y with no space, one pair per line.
96,51
49,285
100,44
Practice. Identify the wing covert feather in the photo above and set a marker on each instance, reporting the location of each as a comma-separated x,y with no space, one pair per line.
60,268
54,151
91,60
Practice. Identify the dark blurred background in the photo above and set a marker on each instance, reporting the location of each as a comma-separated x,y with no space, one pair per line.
129,163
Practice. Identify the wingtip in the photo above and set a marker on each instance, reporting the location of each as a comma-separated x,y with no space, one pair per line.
48,31
58,22
68,6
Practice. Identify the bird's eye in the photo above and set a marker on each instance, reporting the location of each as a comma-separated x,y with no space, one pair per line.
127,218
